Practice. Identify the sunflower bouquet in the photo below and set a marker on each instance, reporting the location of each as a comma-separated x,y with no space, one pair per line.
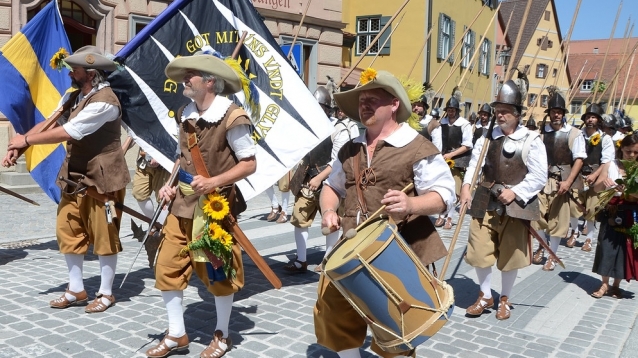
595,139
214,244
57,61
628,186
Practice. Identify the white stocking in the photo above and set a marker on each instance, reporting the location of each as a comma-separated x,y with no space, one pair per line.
285,197
554,241
107,271
273,198
590,229
507,282
301,239
223,306
147,207
573,222
74,263
484,275
173,302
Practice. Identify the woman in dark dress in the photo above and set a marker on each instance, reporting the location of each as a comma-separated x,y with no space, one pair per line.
614,251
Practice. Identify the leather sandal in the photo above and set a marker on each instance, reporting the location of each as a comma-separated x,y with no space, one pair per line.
539,254
572,239
448,223
586,245
439,222
550,264
292,268
162,350
273,213
63,302
503,311
97,305
479,306
601,291
615,292
217,347
282,217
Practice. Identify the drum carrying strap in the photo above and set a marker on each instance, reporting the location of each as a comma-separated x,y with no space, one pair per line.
358,183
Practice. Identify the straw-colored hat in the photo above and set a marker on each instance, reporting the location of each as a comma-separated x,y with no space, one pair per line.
176,69
349,101
90,57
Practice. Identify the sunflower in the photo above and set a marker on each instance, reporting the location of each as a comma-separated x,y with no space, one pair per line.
368,75
227,240
215,231
595,139
450,163
618,143
216,206
57,61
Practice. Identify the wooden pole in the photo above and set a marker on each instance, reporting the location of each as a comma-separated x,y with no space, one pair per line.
456,44
294,39
614,92
376,38
633,82
454,68
421,51
469,65
602,68
619,68
508,74
538,99
383,45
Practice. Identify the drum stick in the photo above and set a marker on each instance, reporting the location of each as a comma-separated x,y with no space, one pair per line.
353,232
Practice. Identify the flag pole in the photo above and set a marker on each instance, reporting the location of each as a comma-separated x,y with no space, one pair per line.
508,74
570,92
294,39
566,43
376,38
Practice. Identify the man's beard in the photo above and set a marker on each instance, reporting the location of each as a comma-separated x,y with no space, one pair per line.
77,84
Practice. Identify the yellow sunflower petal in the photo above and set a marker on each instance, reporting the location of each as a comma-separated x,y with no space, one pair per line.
368,75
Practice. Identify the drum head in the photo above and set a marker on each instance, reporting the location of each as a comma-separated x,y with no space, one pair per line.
347,250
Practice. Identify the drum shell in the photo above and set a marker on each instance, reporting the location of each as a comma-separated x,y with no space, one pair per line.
387,284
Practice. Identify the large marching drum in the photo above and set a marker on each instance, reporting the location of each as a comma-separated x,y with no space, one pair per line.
382,278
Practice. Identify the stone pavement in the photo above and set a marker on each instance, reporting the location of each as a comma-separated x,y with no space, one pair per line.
553,314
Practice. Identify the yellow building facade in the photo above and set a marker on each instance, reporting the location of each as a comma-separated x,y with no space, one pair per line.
407,53
539,55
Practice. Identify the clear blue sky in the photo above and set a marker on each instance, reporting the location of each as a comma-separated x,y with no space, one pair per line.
596,18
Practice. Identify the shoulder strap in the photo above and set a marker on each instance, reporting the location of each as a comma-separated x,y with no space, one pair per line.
193,147
180,111
357,179
527,144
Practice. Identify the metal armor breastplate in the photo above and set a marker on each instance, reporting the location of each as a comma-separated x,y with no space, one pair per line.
478,133
320,155
424,132
557,145
594,153
452,137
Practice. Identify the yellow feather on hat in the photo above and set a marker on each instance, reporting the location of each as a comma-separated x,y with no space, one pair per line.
415,91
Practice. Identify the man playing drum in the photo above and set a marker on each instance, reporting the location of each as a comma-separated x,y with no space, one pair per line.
389,155
514,172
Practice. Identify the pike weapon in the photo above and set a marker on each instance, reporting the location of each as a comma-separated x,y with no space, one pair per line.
153,221
580,206
542,242
16,195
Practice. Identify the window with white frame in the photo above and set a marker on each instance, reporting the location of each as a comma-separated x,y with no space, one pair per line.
544,99
531,99
576,107
541,70
484,57
368,28
467,52
587,85
446,37
137,23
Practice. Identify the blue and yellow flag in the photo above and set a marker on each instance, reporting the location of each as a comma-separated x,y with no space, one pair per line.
32,88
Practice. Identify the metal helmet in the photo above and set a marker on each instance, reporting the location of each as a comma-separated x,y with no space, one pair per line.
531,123
595,109
486,108
509,94
628,122
323,96
610,121
452,103
435,113
556,101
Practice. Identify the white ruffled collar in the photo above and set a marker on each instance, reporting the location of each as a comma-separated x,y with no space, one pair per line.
215,112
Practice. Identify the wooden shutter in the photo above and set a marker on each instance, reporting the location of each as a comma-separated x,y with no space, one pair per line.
386,34
439,52
488,68
452,40
472,48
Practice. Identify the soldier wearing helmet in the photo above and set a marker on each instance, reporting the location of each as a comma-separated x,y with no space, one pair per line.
456,137
514,172
611,126
565,153
431,128
480,128
307,181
